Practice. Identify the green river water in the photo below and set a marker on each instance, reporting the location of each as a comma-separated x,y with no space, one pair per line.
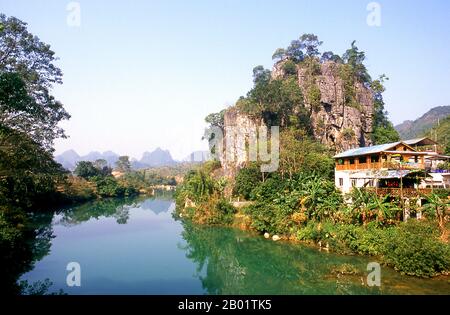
134,246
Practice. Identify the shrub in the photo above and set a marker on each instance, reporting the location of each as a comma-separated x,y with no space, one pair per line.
108,186
414,249
214,211
270,217
246,180
290,68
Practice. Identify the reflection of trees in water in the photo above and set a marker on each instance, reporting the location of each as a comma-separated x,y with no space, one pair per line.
30,244
234,262
118,208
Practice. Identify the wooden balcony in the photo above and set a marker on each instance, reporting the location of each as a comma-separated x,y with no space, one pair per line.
379,165
397,192
358,166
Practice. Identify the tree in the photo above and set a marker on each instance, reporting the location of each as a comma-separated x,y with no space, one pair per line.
310,43
330,56
383,129
294,51
27,64
355,58
215,120
260,75
289,68
279,54
247,179
123,164
28,173
86,169
102,166
300,154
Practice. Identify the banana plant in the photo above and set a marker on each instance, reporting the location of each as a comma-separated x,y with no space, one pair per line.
437,207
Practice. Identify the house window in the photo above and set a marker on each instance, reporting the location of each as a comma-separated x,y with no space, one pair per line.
341,182
362,160
374,159
351,161
353,182
340,162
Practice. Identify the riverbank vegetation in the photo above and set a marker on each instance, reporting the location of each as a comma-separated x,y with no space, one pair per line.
309,209
299,201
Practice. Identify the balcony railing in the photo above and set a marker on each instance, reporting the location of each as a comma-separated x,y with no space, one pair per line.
378,165
397,192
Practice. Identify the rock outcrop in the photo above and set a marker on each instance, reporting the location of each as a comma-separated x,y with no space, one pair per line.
334,123
237,126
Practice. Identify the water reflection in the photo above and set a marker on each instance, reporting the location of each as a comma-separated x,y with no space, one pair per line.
230,261
28,247
117,208
133,246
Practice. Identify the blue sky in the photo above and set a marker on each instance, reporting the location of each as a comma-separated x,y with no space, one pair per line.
144,74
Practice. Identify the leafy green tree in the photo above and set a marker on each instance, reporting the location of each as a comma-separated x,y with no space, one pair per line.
86,169
215,120
123,164
260,75
330,56
289,68
300,154
279,54
108,186
30,67
355,58
310,43
246,180
102,166
28,173
383,129
295,51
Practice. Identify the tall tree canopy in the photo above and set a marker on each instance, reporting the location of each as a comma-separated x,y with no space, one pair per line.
27,74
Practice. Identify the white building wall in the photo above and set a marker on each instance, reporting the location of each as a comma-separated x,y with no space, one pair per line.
346,180
346,186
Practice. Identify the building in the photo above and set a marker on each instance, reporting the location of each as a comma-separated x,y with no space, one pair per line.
404,164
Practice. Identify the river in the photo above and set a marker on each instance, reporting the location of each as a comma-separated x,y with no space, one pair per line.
135,246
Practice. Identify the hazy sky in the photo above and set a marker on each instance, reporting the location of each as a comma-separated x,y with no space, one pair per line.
144,74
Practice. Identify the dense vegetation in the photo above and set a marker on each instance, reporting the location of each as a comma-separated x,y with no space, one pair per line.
300,201
201,197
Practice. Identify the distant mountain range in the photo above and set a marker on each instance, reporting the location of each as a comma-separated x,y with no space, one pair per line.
413,129
156,158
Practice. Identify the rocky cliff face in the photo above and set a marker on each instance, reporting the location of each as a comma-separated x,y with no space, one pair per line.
334,123
237,126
